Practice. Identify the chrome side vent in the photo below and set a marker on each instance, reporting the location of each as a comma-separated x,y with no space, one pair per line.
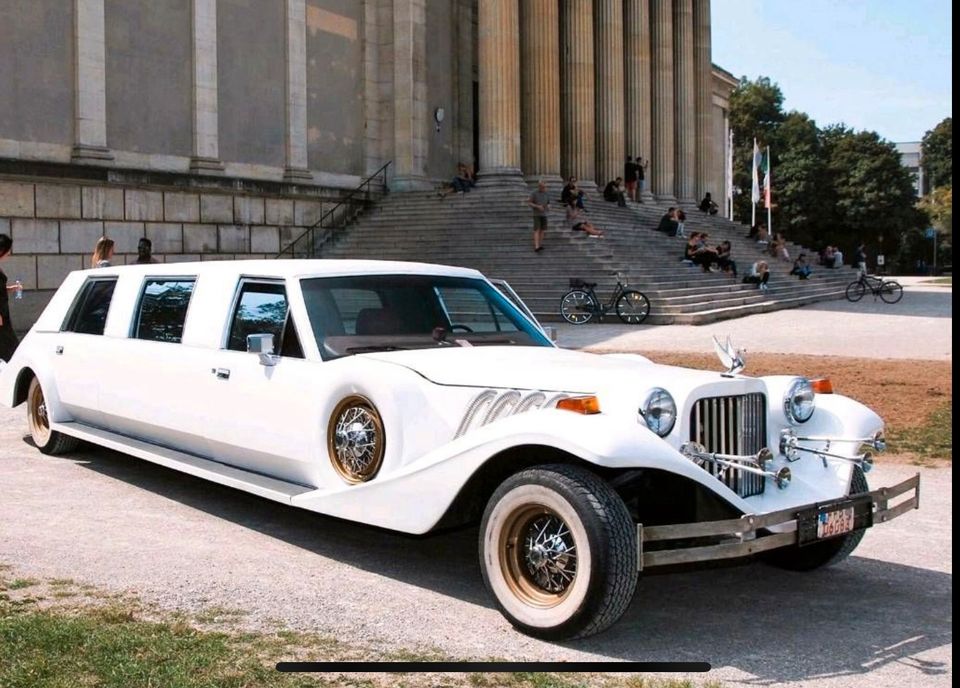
490,406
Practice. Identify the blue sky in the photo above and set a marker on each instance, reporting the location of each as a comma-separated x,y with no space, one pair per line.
882,65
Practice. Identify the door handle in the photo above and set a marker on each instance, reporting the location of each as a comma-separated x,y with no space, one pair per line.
59,350
221,373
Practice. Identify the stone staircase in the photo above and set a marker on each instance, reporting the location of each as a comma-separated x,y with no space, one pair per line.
491,229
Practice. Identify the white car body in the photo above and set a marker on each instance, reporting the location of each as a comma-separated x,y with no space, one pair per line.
264,427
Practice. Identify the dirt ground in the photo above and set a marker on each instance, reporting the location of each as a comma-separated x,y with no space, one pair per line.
903,392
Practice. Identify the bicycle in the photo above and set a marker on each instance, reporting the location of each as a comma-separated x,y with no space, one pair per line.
580,304
888,290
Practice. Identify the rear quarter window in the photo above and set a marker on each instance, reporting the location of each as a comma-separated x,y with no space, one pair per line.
162,309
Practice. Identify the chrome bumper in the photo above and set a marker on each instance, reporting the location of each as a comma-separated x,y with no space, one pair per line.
869,508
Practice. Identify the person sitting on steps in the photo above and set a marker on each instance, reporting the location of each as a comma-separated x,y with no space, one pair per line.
587,227
759,275
800,267
707,205
614,192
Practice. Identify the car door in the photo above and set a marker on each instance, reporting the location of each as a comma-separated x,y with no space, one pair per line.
263,418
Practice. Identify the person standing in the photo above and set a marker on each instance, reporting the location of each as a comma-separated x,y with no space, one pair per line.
860,258
145,252
641,168
8,338
102,254
630,178
540,202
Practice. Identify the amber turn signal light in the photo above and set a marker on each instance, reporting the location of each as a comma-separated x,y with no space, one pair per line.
822,385
584,405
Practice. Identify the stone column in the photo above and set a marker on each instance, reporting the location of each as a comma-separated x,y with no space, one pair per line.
685,101
540,61
499,48
465,69
608,44
577,142
410,94
90,103
660,172
707,149
636,19
206,147
297,169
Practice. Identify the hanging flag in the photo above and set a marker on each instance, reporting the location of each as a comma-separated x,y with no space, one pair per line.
766,178
757,157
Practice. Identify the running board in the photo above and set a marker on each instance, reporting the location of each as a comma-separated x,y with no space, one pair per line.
271,488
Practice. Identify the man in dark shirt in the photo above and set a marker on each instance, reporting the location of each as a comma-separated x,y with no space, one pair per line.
668,223
615,193
630,178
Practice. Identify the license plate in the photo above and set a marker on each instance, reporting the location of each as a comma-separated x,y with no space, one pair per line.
833,523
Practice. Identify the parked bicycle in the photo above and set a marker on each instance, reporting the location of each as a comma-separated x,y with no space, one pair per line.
888,290
581,303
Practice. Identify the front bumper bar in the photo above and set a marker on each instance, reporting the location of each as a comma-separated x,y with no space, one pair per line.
742,536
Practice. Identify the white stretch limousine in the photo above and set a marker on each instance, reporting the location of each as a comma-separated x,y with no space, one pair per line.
414,396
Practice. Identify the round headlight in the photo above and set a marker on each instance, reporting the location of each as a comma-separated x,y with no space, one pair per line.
659,411
798,404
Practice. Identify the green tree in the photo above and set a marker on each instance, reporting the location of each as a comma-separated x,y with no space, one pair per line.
936,152
756,109
798,180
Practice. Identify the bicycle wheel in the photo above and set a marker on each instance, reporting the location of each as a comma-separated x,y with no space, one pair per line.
855,291
633,307
577,307
891,291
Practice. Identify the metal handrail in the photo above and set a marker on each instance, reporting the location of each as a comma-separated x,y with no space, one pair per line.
311,231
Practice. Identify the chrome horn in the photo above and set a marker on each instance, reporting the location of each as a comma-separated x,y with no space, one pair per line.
790,447
755,464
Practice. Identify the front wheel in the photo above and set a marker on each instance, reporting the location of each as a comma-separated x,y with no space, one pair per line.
577,307
38,419
558,550
891,291
633,307
855,291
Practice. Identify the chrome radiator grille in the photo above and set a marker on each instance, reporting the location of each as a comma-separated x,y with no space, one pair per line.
732,425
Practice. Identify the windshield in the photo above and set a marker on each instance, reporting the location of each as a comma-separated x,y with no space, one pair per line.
351,315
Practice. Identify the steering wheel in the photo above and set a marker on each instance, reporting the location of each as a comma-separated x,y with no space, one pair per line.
461,327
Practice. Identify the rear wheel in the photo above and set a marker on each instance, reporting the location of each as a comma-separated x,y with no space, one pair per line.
48,441
855,291
577,307
558,550
633,307
825,553
891,291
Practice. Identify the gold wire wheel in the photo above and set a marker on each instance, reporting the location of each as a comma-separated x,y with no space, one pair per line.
355,439
37,417
538,555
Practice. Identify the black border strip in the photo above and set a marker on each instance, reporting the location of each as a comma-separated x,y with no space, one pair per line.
483,667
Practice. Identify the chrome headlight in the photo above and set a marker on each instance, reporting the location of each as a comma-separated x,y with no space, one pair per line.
798,403
659,411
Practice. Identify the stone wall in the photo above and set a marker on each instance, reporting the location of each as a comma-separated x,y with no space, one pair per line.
55,227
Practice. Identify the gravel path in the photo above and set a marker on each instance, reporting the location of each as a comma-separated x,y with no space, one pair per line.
881,619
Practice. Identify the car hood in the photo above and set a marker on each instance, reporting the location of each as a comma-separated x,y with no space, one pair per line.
541,368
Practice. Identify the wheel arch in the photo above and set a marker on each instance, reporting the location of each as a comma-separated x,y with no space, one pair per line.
22,385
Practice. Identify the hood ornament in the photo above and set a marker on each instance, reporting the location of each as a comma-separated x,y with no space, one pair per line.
732,359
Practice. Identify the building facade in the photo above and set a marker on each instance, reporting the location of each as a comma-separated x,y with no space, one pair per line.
224,127
910,157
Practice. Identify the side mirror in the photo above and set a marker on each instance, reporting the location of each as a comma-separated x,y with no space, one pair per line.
262,344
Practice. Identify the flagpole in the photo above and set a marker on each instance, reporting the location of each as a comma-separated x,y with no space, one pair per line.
753,193
729,167
768,195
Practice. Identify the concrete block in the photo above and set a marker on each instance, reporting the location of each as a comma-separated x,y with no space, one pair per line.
181,258
247,210
35,236
51,270
80,236
288,235
234,238
278,212
125,235
16,199
166,237
57,201
23,268
4,226
207,257
181,207
101,203
306,213
216,208
265,240
143,205
200,238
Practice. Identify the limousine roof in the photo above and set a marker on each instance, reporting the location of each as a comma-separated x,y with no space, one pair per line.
288,268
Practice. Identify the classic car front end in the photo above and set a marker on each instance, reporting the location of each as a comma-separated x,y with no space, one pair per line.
413,397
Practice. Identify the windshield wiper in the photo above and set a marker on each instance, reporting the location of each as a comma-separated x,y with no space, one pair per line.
374,347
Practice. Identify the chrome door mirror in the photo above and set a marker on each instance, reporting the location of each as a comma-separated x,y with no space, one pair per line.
262,344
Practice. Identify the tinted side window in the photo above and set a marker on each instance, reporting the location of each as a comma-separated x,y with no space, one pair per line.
89,314
261,309
163,309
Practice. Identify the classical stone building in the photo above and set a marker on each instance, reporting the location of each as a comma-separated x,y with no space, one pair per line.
224,127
